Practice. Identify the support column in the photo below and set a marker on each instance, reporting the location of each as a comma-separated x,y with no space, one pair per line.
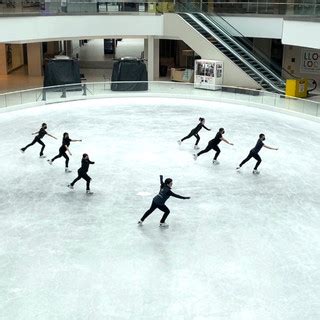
145,49
68,48
150,58
3,60
153,58
34,51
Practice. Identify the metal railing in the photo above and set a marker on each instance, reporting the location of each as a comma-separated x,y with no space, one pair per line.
92,90
62,7
292,8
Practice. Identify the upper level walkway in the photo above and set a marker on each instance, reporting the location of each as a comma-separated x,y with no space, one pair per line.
63,7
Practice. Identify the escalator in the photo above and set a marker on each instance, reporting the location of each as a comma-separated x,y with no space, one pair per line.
236,50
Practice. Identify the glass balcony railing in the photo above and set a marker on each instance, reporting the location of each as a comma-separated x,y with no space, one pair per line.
62,7
298,7
235,95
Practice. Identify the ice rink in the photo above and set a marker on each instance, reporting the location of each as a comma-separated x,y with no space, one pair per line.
244,247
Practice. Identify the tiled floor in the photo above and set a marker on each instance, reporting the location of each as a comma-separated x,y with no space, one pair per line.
91,52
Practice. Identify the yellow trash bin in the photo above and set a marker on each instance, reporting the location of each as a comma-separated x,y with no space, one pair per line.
297,88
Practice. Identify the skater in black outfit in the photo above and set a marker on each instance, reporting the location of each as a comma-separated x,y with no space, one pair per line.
195,131
254,153
82,173
213,145
63,150
40,134
159,200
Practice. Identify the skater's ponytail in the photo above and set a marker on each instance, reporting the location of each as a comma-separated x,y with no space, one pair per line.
167,181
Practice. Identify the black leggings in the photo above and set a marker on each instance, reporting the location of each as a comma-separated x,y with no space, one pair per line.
155,206
36,139
208,148
62,154
192,133
252,155
84,176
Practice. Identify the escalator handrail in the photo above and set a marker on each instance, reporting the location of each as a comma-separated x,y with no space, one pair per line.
196,9
263,77
260,53
220,28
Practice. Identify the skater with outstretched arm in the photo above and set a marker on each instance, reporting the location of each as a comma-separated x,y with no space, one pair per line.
63,150
82,173
254,153
159,200
195,132
40,134
213,145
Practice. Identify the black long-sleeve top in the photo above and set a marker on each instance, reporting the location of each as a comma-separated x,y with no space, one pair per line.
85,165
217,139
199,127
65,144
165,193
257,147
41,133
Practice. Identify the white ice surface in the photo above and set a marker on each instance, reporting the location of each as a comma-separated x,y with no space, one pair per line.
244,247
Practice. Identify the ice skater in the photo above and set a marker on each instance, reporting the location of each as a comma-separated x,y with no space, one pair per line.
213,145
254,153
63,150
195,132
40,134
159,200
82,173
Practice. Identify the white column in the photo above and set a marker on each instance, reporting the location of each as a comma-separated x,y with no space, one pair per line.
150,55
34,51
153,58
145,49
68,48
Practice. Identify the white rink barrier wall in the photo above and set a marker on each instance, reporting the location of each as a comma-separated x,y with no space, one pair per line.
94,90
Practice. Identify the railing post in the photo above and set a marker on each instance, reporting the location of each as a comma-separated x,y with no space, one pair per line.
64,93
44,95
84,87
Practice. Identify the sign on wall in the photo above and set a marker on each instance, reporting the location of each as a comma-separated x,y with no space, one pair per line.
310,61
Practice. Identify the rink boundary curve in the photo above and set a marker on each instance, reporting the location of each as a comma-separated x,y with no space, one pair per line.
268,101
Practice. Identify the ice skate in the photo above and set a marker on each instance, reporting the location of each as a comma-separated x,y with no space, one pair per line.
89,192
67,170
196,147
50,161
238,168
22,151
70,186
179,142
195,156
256,172
42,156
140,224
215,162
163,225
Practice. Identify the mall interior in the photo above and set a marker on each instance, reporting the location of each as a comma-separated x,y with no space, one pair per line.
261,43
128,80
